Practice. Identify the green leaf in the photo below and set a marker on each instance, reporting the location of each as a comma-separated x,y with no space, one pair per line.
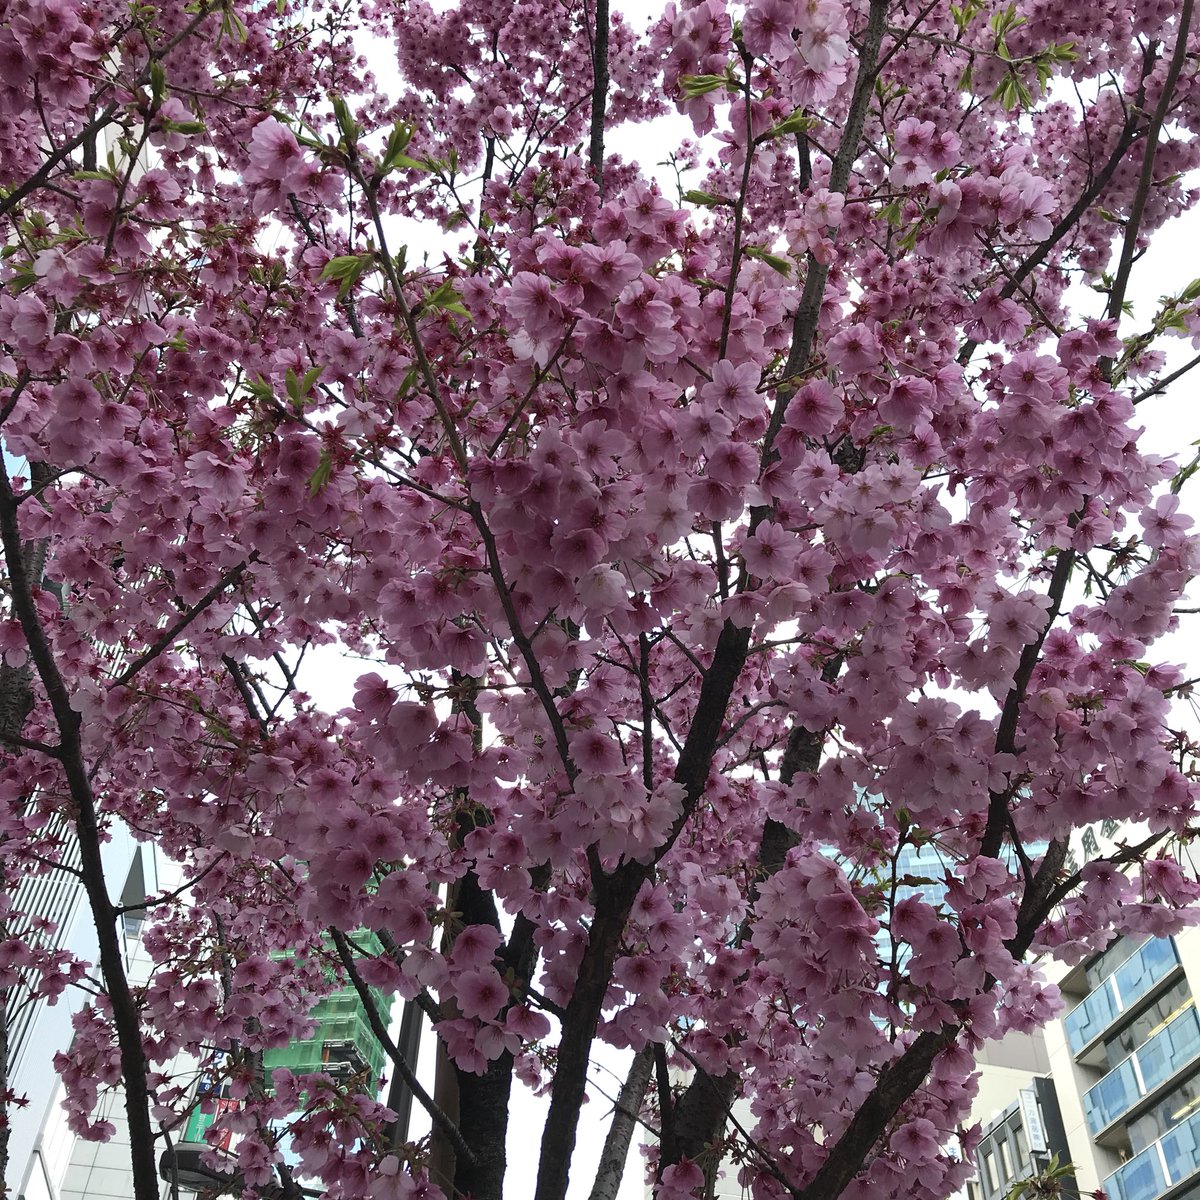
444,297
340,266
158,81
796,123
300,387
260,389
321,476
345,122
398,139
700,85
965,13
403,163
1005,21
186,127
774,261
232,25
1012,93
347,268
406,384
394,157
292,383
706,199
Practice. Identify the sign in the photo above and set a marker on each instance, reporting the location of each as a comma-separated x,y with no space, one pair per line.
200,1122
1031,1115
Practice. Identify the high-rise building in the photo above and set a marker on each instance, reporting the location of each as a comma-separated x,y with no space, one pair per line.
40,1144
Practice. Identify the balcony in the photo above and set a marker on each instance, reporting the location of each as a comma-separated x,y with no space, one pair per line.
1133,979
1171,1049
1161,1167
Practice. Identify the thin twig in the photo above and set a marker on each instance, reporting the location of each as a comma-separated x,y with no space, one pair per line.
206,601
427,1102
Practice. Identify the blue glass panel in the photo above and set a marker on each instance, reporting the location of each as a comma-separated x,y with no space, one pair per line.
1112,1096
1090,1017
1170,1049
1137,975
1130,981
1141,1178
1180,1149
1162,1056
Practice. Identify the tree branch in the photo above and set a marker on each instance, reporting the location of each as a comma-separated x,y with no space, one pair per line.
124,1010
1116,297
426,1101
167,639
808,313
599,94
611,1168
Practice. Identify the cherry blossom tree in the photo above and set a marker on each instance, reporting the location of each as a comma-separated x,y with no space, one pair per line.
706,540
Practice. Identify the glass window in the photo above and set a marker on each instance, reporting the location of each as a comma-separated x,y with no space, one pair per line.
1141,1178
1112,1096
989,1170
1170,1049
1091,1016
1179,1104
1005,1159
1139,974
1180,1148
1101,967
1022,1144
1122,1044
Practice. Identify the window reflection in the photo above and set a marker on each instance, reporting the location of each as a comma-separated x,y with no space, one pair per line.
1122,1044
1179,1104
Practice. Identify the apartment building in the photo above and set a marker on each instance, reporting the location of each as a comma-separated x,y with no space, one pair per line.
1126,1061
1120,1096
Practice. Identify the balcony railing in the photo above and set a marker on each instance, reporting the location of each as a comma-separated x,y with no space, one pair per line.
1164,1164
1150,1066
1120,991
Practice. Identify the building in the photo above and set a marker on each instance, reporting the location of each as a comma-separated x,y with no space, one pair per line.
1119,1097
342,1045
1126,1059
40,1144
1021,1141
1120,1100
47,1161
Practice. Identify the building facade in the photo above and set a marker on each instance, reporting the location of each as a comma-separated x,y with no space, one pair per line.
1120,1100
1025,1139
1126,1058
40,1144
